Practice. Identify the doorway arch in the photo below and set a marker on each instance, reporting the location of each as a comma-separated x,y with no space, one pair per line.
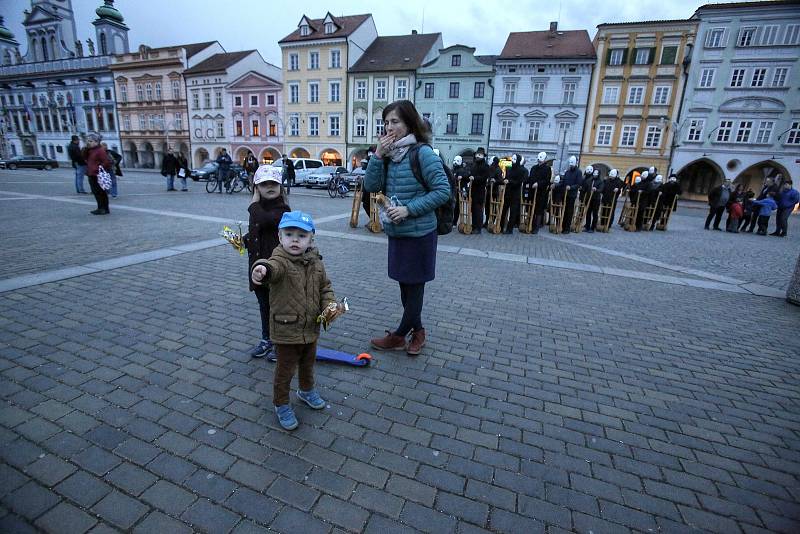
200,157
699,177
131,155
753,176
299,153
148,156
268,156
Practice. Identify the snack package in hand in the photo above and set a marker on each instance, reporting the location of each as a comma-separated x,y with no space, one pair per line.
332,312
234,238
384,203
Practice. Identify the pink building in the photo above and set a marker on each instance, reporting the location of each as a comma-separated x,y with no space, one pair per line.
257,115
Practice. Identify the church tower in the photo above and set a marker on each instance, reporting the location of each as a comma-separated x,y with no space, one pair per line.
112,33
9,47
50,30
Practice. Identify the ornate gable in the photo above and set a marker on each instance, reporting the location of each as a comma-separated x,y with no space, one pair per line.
40,15
508,113
749,104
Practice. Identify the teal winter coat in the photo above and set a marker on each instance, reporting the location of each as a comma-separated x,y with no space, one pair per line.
399,182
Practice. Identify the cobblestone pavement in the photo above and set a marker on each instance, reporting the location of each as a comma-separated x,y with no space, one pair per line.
550,398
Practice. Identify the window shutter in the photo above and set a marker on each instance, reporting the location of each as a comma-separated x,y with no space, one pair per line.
651,57
624,56
608,57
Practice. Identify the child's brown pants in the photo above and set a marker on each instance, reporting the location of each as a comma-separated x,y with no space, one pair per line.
290,358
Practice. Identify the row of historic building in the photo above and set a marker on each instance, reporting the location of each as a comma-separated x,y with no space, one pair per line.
715,95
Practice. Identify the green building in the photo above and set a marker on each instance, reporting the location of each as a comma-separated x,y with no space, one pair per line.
454,92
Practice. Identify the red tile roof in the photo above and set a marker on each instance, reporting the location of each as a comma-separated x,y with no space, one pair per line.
345,26
548,45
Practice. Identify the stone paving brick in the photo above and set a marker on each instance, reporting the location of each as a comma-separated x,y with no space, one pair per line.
293,494
377,501
31,500
290,520
210,485
120,510
251,475
168,497
207,517
158,523
50,470
340,513
130,478
462,508
331,483
96,460
66,518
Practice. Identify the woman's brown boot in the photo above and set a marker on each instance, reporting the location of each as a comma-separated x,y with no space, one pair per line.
389,342
416,343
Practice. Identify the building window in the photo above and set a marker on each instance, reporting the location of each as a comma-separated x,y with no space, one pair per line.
148,91
743,133
563,131
361,127
142,121
255,128
336,59
653,139
478,92
769,34
642,56
724,131
779,77
380,90
668,55
158,90
361,90
794,134
126,122
273,128
195,101
313,92
746,36
151,122
477,124
695,132
237,101
220,129
270,100
334,91
401,89
380,127
635,95
123,93
294,93
452,123
616,56
206,100
510,90
538,92
533,130
604,132
758,77
139,93
178,121
313,60
628,138
707,77
109,121
505,129
455,60
176,90
294,62
792,35
610,95
428,90
254,100
661,96
313,126
454,89
304,30
569,93
294,126
329,27
714,38
333,122
737,77
764,132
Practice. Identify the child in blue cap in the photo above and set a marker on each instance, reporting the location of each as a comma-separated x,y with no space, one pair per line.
299,290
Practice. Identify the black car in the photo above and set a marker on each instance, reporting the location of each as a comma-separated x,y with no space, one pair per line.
209,171
28,162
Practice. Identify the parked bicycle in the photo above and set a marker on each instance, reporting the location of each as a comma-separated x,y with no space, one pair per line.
235,181
338,186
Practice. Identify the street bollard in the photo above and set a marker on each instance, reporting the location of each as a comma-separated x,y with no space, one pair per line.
793,293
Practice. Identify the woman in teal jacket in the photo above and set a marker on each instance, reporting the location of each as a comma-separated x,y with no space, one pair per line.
412,231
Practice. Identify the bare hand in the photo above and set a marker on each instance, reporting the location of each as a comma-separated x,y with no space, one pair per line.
259,272
385,143
397,214
256,194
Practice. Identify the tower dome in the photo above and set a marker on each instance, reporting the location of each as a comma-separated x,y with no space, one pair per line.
5,33
108,11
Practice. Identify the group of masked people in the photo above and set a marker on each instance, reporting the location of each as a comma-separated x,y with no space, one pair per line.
540,184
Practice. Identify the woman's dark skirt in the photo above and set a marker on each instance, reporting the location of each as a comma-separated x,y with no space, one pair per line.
412,260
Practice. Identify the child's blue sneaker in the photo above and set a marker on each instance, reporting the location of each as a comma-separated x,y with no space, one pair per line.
311,398
286,416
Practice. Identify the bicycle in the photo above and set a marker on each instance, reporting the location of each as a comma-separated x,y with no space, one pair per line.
338,186
232,183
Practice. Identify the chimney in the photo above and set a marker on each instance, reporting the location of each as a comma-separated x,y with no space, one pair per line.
413,32
554,27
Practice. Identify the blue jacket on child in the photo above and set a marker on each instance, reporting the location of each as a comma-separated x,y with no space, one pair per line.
765,207
788,199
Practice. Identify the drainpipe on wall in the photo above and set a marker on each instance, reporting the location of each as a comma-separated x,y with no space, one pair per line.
491,113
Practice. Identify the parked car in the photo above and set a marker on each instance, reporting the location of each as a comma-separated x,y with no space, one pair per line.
322,176
355,176
209,171
28,162
302,168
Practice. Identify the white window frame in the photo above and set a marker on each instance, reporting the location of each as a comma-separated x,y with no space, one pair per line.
743,131
537,95
294,93
724,131
630,133
611,95
380,127
178,121
451,125
401,89
123,93
313,60
779,76
148,91
253,104
534,130
126,123
509,92
334,126
139,92
255,124
661,95
769,34
294,126
334,91
653,138
361,127
746,37
759,77
176,89
737,76
568,97
715,38
335,59
642,56
506,127
294,61
615,59
380,90
195,100
158,91
764,132
694,133
639,91
791,35
270,100
793,137
707,76
313,126
313,92
361,89
604,134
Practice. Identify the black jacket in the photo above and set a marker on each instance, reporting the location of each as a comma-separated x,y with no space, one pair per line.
594,182
262,236
540,174
480,175
169,167
516,174
75,154
572,178
608,189
116,157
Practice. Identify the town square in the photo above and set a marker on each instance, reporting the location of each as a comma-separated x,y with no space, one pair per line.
582,246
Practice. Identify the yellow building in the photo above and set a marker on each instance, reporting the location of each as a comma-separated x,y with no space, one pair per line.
636,93
316,57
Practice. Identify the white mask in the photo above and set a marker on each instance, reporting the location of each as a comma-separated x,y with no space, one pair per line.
645,174
659,179
573,161
514,158
589,169
613,173
542,157
557,179
638,180
651,170
596,174
457,160
672,179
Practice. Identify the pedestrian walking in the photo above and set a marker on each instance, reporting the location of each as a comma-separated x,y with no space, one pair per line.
717,200
787,200
96,157
115,171
183,170
169,168
299,291
288,173
78,163
411,233
223,168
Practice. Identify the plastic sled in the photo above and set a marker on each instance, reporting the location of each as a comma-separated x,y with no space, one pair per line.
330,355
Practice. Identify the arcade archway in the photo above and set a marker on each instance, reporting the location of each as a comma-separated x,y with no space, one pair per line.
699,177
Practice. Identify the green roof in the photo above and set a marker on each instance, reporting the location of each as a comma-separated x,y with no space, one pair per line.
108,11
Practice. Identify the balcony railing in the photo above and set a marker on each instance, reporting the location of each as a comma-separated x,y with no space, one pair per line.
57,65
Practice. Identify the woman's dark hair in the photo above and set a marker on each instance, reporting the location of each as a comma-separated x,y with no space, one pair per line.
410,116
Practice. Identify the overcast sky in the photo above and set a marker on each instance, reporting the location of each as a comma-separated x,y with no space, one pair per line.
259,24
